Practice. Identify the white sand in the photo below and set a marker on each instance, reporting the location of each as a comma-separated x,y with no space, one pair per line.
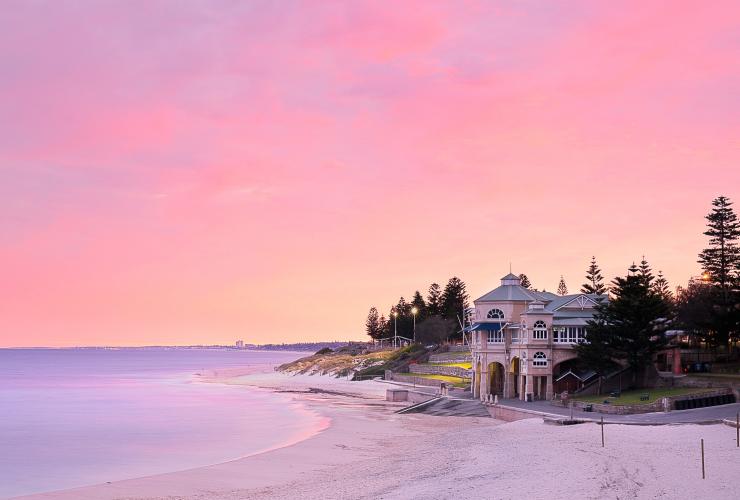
371,452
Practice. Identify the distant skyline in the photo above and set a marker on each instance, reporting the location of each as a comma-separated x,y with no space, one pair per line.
191,172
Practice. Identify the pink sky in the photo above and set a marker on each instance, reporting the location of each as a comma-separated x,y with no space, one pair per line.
178,172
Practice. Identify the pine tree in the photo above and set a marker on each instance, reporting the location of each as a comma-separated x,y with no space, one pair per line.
562,288
524,281
594,280
645,272
383,327
660,287
404,320
420,305
434,300
372,324
630,327
454,299
721,259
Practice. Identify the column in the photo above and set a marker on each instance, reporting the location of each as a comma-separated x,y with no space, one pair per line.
483,394
548,389
529,387
507,383
677,361
521,387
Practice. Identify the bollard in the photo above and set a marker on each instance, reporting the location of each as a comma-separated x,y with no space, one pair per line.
703,475
602,432
495,399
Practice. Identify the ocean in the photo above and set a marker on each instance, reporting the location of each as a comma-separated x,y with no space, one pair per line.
75,417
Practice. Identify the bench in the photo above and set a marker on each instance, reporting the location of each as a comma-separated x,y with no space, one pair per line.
644,397
588,408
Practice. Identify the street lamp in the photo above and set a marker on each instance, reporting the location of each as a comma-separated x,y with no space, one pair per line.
414,312
395,329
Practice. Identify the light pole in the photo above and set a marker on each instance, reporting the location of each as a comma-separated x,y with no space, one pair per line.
414,312
395,329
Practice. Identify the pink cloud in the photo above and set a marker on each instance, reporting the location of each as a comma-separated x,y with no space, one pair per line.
186,172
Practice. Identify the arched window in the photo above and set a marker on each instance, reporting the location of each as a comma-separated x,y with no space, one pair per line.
540,359
540,330
495,314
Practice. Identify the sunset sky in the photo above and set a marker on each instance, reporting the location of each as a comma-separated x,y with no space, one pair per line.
182,172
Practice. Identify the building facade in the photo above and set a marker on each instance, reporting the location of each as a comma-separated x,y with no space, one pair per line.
522,340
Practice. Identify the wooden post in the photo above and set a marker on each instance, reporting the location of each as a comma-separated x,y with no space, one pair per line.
703,475
602,432
737,430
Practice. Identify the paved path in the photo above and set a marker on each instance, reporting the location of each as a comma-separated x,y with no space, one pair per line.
697,415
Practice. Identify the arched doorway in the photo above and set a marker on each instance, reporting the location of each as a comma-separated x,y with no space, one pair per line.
496,377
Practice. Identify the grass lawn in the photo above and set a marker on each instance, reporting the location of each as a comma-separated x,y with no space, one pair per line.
633,397
455,381
467,365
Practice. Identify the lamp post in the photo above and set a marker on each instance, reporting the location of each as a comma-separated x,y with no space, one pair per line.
414,312
395,329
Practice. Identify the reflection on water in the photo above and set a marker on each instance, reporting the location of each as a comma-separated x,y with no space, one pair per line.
75,417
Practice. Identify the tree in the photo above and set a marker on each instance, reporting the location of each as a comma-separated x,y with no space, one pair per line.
434,300
562,288
660,287
420,305
524,281
404,320
630,327
383,327
435,330
454,299
721,264
721,259
594,280
694,311
645,272
372,324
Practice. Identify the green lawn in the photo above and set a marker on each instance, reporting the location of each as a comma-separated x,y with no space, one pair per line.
466,365
455,381
633,397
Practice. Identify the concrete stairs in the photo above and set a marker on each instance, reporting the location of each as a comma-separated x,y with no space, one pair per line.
448,407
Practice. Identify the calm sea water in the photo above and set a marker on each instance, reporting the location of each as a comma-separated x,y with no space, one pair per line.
71,418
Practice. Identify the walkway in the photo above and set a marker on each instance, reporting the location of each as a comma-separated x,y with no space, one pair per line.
698,415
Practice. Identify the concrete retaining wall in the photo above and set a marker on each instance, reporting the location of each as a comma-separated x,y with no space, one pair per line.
410,379
407,395
510,414
450,357
454,371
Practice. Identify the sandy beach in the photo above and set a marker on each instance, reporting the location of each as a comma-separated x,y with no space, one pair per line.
369,451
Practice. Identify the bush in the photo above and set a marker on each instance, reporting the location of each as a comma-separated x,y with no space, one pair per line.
325,350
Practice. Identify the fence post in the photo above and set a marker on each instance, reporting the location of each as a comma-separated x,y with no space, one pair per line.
703,475
602,431
737,430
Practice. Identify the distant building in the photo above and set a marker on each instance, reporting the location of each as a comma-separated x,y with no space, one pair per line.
522,341
240,344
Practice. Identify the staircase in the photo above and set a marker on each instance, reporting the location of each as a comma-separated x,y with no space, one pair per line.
447,407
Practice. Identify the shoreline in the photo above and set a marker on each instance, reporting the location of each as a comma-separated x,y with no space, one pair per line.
369,451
